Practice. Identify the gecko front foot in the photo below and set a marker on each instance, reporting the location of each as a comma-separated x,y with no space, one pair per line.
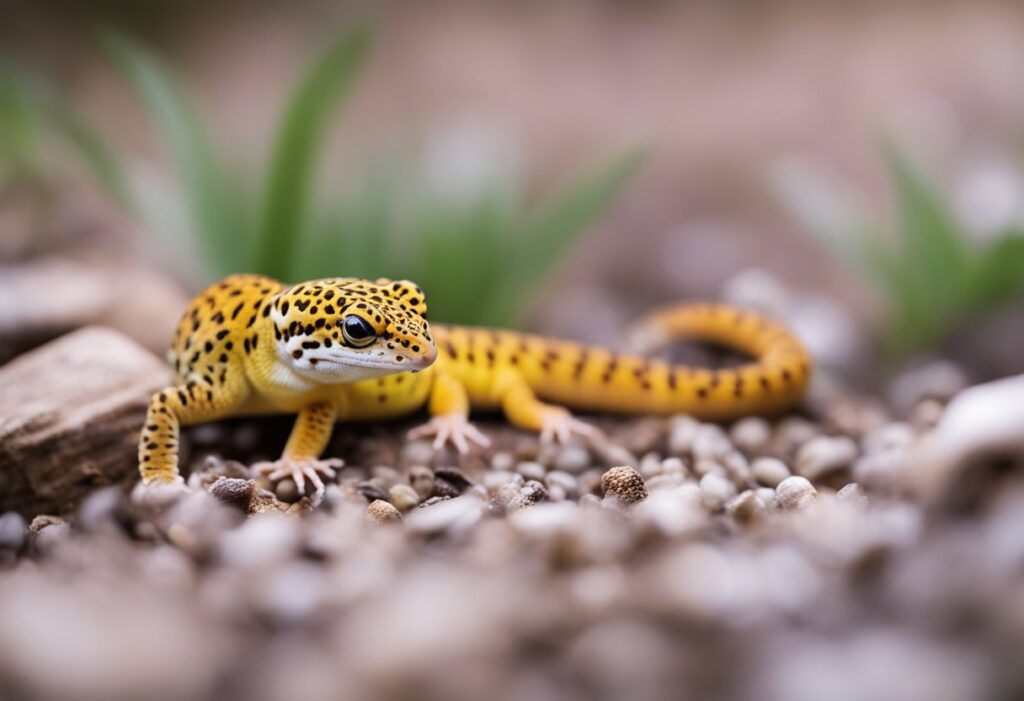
450,427
559,426
299,470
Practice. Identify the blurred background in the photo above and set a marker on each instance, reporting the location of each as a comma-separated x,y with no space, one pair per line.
852,169
558,166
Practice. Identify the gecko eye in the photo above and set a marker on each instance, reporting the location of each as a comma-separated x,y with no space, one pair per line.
357,331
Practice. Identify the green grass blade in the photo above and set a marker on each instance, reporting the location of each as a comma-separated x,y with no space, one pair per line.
287,191
935,250
209,198
92,149
998,274
27,105
19,124
546,235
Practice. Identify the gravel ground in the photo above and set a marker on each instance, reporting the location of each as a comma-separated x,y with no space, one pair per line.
792,560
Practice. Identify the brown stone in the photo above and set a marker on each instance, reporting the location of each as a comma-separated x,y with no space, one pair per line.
70,414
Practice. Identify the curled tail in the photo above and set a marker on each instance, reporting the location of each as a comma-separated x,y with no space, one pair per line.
775,380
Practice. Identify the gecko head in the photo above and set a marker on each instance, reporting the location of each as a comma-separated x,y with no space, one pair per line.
346,329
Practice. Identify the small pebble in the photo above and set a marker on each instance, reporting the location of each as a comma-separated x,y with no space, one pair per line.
421,478
738,468
531,470
673,465
650,465
716,490
590,482
681,434
450,482
853,493
493,479
711,442
287,491
13,531
624,483
49,534
418,453
746,508
666,480
533,492
888,437
454,515
100,509
573,459
502,461
791,433
380,511
370,492
385,476
824,455
565,481
881,470
234,492
403,497
926,414
766,495
795,492
769,471
751,435
705,466
609,453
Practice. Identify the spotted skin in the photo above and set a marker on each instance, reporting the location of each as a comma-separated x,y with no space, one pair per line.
347,349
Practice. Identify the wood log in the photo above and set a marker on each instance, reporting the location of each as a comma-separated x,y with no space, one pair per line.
70,415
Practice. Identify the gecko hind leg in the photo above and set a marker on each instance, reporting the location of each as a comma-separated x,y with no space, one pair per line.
555,424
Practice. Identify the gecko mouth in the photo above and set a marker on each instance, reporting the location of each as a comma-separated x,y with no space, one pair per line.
408,363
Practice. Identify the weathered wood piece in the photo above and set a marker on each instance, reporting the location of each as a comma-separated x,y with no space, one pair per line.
70,414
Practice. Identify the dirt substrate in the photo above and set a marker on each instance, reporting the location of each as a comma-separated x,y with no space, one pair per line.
788,561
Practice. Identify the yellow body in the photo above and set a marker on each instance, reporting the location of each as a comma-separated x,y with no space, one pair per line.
251,345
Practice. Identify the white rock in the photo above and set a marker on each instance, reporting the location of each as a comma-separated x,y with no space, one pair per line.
502,461
795,492
985,418
650,465
403,497
261,541
705,466
494,479
572,458
711,442
738,468
682,433
769,471
670,513
853,492
564,481
716,491
939,380
673,466
889,436
746,508
455,515
751,434
882,470
824,455
531,470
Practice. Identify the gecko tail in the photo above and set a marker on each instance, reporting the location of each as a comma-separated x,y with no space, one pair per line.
776,378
